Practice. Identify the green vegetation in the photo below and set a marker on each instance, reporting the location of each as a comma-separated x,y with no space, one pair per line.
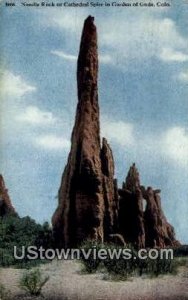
90,264
123,269
117,267
15,231
181,251
33,282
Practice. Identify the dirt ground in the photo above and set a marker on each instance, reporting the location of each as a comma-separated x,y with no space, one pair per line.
67,282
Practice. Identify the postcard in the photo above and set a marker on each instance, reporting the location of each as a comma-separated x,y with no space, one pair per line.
94,149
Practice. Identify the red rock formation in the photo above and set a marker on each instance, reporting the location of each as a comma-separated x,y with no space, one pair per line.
132,182
143,228
110,191
5,202
85,192
159,233
131,217
89,206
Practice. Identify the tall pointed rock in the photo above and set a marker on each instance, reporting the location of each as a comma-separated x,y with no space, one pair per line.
80,213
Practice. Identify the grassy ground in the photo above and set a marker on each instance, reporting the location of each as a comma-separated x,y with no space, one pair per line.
67,281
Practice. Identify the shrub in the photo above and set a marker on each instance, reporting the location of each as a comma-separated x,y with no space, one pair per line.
117,266
33,282
122,269
91,263
181,251
160,267
182,261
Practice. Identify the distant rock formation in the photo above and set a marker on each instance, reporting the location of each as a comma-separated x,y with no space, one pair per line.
131,215
158,231
90,204
87,191
6,207
147,228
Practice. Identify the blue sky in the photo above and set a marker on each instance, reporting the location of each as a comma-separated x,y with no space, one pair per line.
143,95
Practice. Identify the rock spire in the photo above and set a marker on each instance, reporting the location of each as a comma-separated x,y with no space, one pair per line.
90,206
86,194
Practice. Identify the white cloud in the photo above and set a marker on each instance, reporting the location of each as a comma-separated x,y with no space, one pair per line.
141,38
183,76
118,132
171,145
171,55
64,55
14,85
105,59
148,37
52,142
175,144
33,115
131,37
67,20
70,20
